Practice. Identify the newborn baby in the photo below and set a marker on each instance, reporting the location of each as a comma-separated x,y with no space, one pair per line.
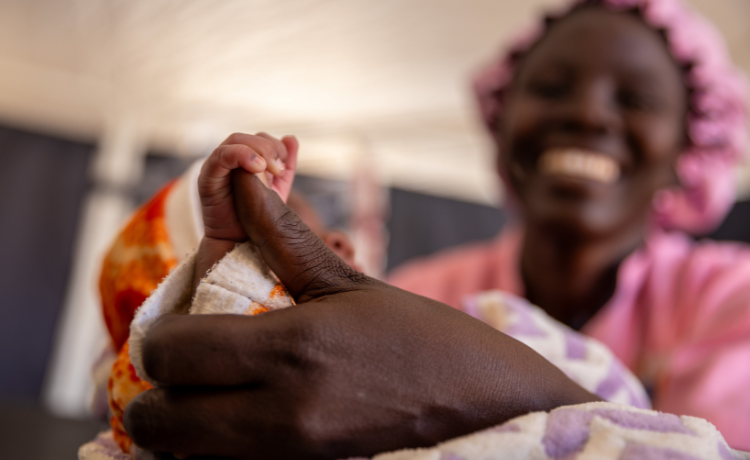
275,162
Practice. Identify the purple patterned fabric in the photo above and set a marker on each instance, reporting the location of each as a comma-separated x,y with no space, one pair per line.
581,358
621,433
575,346
654,421
566,432
634,451
450,456
103,446
524,324
612,383
470,306
724,452
567,429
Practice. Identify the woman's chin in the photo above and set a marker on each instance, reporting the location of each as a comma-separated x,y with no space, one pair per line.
573,220
575,207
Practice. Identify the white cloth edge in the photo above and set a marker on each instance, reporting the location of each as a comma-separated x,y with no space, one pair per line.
182,213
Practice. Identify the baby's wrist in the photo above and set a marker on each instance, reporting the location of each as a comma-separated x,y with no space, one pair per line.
210,251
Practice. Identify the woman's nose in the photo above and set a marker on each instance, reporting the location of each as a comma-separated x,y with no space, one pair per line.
593,108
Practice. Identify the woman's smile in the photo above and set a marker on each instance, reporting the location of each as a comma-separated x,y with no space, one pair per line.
579,164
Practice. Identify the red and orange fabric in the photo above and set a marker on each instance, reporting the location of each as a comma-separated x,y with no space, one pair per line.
140,257
124,385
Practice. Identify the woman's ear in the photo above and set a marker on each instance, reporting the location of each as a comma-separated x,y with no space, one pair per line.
668,178
674,179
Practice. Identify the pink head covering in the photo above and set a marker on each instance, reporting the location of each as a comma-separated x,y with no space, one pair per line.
717,119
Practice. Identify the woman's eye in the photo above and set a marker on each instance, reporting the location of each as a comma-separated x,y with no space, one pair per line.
549,89
634,100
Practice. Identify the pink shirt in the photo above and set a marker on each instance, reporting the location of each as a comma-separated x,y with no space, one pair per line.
679,318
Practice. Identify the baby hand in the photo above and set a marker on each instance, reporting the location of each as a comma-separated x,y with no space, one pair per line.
260,153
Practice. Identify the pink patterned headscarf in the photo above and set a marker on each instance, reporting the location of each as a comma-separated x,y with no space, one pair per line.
717,120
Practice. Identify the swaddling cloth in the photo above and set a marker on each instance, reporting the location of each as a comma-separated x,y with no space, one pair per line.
240,283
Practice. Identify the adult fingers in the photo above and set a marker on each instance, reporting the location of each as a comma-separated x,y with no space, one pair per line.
233,422
224,350
183,421
301,260
140,454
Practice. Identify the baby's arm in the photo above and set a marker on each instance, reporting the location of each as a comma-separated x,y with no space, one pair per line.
260,154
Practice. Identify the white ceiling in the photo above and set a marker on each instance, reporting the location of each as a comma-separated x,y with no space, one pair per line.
382,83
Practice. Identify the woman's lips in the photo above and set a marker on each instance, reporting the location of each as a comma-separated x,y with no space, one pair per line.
580,164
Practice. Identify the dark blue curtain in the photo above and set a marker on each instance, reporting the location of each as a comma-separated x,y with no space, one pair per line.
43,181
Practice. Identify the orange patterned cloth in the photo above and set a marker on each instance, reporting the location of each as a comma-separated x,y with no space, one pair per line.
138,260
123,386
140,257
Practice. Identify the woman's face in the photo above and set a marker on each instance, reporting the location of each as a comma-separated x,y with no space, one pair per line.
593,124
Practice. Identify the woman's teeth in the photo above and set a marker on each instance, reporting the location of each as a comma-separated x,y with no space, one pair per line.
578,163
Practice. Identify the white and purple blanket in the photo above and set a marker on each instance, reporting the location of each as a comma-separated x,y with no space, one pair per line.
593,431
622,428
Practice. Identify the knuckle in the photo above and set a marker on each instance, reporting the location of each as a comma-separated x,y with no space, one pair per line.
324,272
275,142
294,346
311,429
216,157
224,154
235,138
285,355
265,147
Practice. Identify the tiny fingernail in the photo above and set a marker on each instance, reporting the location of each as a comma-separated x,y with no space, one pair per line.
259,160
280,164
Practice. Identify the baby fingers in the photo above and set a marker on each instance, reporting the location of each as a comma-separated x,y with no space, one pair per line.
273,151
224,159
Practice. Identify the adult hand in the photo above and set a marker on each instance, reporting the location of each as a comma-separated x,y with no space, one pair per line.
356,368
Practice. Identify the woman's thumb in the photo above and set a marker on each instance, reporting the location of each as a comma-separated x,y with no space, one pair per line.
301,260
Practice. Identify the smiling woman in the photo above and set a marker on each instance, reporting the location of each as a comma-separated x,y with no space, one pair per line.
577,115
598,96
593,118
616,123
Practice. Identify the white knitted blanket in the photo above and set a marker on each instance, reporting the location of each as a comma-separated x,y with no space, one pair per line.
240,283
